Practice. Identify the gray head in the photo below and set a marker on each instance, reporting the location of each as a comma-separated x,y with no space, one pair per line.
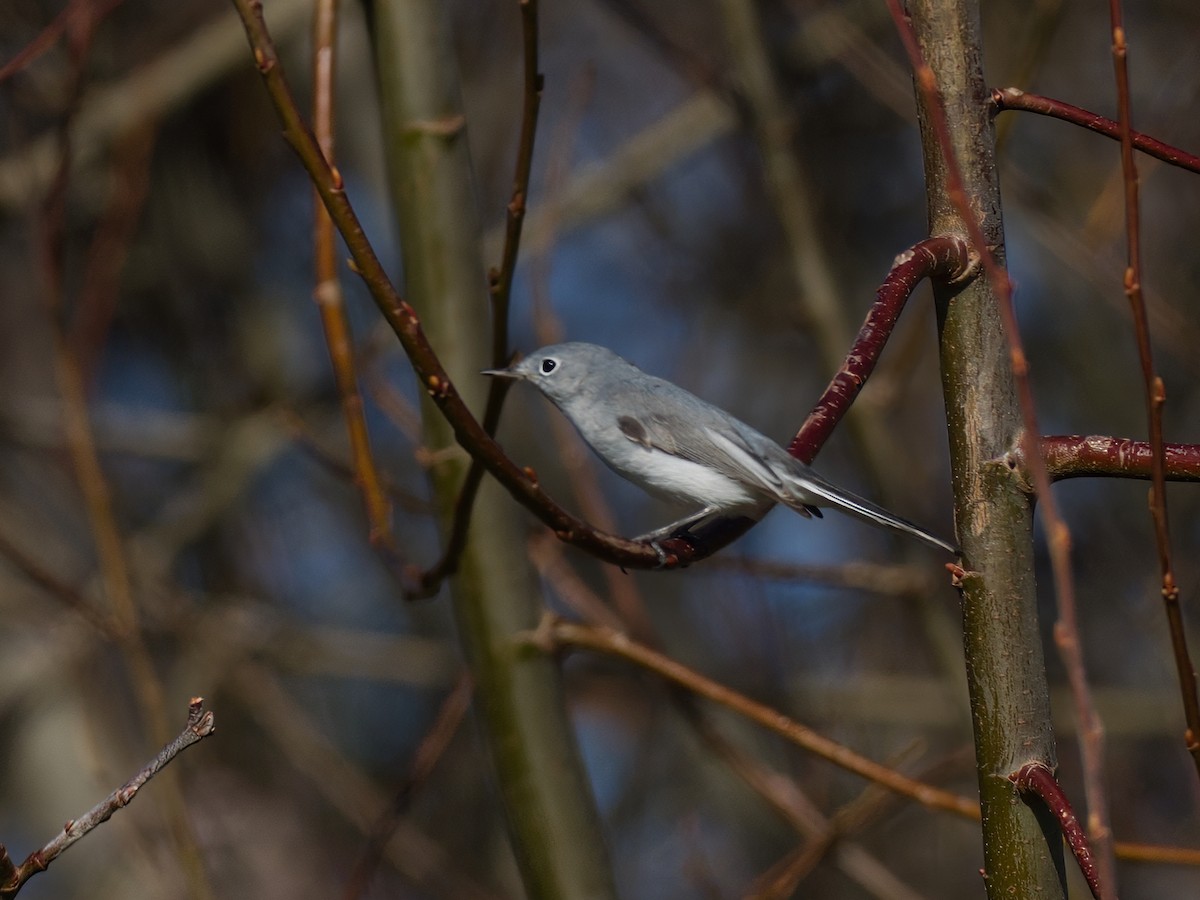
565,371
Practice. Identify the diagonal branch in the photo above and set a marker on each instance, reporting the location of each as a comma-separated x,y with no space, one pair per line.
1017,99
555,634
13,877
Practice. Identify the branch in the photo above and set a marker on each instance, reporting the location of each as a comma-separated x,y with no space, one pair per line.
554,634
1059,538
1038,780
944,259
500,283
328,291
1083,456
1155,396
1017,99
12,878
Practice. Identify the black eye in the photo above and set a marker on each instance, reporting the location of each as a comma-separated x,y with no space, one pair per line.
549,365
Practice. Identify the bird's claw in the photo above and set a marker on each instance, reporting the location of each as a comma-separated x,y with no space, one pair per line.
662,555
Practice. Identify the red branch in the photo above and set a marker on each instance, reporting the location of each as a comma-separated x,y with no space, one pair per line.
1016,99
944,258
1082,456
1036,779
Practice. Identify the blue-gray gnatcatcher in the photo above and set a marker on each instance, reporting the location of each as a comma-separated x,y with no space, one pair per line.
674,445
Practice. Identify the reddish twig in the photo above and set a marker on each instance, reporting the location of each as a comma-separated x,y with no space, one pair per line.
70,18
430,750
1155,393
1066,630
1038,780
1017,99
328,290
1081,456
13,877
945,258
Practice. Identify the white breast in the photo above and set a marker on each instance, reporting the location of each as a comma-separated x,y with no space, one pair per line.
675,478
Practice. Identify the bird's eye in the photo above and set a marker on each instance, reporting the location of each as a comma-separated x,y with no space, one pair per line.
549,365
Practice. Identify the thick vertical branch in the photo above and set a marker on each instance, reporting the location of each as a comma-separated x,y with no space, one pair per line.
556,836
1005,668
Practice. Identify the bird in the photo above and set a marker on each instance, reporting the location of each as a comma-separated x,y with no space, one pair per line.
679,447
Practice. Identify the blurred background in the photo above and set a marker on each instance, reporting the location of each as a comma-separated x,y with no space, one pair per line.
176,271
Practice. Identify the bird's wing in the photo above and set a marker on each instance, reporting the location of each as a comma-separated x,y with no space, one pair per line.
724,444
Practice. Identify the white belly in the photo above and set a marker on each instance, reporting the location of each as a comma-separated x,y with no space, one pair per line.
679,479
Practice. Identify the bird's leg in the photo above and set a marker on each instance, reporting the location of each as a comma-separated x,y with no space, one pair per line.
678,528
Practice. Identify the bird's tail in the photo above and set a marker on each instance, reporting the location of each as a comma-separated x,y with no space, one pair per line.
826,494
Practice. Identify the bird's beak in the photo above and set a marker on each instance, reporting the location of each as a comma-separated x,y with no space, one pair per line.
500,373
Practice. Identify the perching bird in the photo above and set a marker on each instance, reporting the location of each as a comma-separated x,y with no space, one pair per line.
675,445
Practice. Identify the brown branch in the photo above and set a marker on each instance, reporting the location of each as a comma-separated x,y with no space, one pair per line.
1066,628
1082,456
12,877
1039,781
328,290
1017,99
1155,394
500,283
554,634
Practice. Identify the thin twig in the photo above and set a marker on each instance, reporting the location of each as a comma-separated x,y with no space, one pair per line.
555,634
1155,394
328,290
1017,99
199,725
67,19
